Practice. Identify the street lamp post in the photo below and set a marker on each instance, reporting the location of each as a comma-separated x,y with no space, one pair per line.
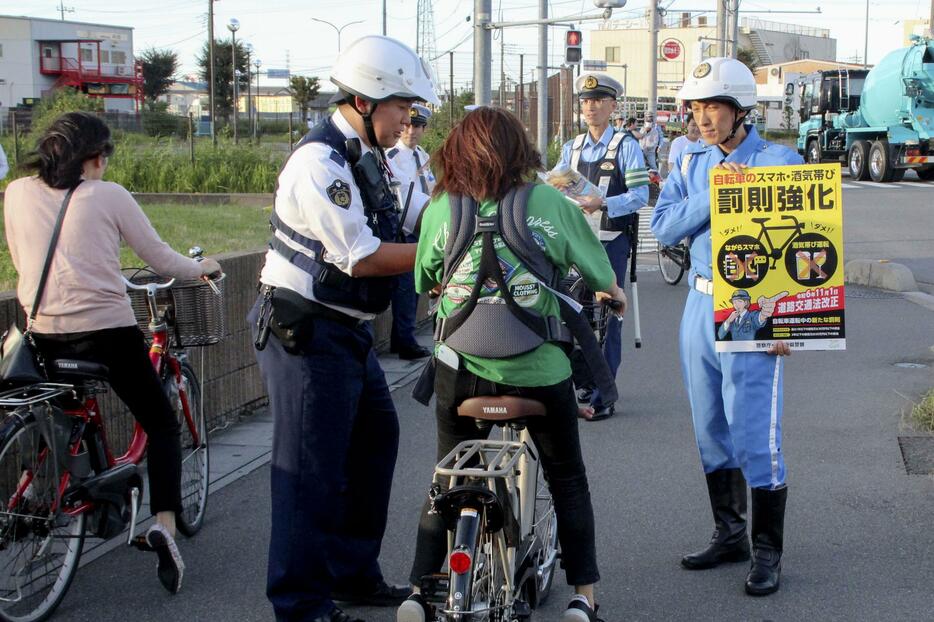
324,21
256,63
233,26
249,86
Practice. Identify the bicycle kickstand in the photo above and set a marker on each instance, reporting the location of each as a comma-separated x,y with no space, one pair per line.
131,540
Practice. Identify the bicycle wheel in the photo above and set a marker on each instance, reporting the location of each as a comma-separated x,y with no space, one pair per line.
488,588
194,454
40,546
546,533
671,263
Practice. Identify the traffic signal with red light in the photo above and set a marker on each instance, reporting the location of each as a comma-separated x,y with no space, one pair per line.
572,47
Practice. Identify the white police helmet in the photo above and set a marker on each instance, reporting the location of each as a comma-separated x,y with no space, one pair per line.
378,68
721,79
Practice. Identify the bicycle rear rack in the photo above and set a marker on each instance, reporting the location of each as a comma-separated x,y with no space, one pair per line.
33,394
493,459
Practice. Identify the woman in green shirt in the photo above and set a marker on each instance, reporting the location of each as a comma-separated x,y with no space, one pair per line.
484,157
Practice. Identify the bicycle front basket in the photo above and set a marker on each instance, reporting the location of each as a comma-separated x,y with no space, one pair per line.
199,311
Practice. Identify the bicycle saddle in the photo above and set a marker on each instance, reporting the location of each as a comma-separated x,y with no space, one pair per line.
71,368
500,408
761,220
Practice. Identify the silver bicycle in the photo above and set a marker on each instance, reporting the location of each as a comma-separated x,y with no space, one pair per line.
502,528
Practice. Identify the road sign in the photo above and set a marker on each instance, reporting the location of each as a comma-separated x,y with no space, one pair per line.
671,49
594,65
278,73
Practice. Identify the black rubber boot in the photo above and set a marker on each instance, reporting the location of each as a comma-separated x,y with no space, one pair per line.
727,490
768,526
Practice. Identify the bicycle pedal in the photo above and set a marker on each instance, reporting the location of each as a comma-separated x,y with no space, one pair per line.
434,587
139,542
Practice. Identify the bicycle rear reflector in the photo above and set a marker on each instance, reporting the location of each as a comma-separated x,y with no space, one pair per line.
459,562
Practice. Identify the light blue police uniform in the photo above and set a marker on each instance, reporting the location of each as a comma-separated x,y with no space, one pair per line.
736,398
631,166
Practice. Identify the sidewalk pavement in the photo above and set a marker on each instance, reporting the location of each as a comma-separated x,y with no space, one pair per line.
244,446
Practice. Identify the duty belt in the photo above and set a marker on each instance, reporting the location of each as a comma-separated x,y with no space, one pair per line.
704,286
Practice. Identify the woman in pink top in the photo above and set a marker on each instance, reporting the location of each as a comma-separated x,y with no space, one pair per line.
85,312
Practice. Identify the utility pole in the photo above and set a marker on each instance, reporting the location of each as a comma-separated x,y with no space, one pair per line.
520,99
866,48
543,82
931,21
653,57
211,68
734,15
451,97
65,9
233,26
721,27
482,51
562,104
502,70
384,18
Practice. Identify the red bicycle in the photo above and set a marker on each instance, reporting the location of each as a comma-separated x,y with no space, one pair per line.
59,480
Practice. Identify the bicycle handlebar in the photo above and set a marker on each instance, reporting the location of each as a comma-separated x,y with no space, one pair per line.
146,287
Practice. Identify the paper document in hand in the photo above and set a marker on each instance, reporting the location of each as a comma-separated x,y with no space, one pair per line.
574,185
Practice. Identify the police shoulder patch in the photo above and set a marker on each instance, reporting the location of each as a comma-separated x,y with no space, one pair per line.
339,193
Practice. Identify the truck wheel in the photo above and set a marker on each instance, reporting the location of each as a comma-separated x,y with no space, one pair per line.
880,162
859,158
927,174
813,152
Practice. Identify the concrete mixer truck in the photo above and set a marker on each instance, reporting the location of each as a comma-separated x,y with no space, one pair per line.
879,123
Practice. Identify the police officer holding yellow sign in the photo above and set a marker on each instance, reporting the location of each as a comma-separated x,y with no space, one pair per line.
736,398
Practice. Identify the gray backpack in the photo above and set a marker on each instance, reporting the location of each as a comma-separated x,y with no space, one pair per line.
506,330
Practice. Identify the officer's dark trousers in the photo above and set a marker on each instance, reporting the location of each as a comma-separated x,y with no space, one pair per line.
335,439
404,304
556,437
618,253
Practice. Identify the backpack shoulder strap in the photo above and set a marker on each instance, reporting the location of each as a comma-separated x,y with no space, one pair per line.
515,231
461,233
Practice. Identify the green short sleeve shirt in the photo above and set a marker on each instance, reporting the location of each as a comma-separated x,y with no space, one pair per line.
561,230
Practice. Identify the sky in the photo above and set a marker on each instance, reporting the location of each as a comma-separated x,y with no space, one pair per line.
283,33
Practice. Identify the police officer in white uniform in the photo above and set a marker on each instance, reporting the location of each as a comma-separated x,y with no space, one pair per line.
409,164
736,398
613,161
329,269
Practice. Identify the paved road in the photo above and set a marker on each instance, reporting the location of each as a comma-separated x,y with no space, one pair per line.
859,535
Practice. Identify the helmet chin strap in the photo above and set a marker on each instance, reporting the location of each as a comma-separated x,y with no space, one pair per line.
737,122
368,126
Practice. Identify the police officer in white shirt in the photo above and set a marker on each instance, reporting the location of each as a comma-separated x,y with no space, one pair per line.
410,166
328,270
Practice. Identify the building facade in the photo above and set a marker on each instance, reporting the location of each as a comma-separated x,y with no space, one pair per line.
685,40
40,55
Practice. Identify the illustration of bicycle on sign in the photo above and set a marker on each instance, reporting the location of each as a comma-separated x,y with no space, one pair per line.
764,237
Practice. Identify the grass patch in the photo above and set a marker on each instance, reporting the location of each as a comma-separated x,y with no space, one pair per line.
215,228
922,413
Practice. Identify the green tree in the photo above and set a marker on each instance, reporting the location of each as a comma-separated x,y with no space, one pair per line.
159,67
62,100
748,57
223,73
304,90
